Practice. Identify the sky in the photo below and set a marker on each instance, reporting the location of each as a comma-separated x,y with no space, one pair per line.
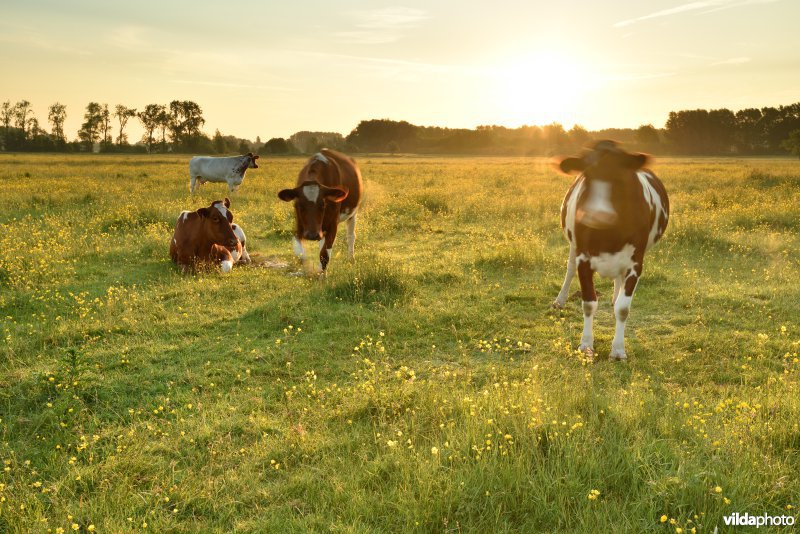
269,69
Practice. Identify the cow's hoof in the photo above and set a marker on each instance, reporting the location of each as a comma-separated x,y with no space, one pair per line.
618,355
556,305
588,352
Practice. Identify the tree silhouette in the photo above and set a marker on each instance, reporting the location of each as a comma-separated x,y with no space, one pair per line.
56,115
105,125
792,143
123,114
6,115
89,133
21,110
186,119
150,117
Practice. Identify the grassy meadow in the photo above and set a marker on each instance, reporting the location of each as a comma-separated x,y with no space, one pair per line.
427,387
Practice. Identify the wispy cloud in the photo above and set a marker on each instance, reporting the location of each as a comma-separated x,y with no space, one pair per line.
732,61
128,37
703,6
233,85
634,77
29,37
385,25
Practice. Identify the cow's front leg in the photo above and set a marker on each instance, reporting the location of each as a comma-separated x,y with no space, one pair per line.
351,237
561,299
622,308
223,256
192,184
589,297
326,248
297,240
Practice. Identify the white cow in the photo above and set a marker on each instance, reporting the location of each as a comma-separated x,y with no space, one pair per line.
230,170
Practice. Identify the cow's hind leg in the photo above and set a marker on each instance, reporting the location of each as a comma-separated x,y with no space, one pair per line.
622,308
561,299
617,285
351,237
589,297
192,183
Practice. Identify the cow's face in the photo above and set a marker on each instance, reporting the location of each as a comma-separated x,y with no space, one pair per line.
311,200
607,170
252,163
217,219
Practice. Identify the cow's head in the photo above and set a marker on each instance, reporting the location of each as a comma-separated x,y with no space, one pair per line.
608,170
311,200
251,163
216,226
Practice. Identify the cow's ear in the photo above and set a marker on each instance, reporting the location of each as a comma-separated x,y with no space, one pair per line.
287,194
255,157
202,212
634,161
335,194
229,216
227,202
572,165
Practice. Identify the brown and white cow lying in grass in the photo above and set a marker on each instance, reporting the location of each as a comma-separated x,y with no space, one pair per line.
614,211
230,170
328,192
208,236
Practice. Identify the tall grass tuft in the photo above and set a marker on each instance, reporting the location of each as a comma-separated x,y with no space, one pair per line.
371,279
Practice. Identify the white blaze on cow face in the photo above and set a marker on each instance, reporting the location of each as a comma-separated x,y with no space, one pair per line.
311,192
222,209
183,216
321,157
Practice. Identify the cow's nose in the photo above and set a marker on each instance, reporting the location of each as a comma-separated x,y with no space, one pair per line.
313,236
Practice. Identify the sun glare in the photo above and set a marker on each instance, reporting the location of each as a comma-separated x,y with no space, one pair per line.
540,88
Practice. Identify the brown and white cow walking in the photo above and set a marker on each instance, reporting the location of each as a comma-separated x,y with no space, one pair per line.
614,211
206,236
328,192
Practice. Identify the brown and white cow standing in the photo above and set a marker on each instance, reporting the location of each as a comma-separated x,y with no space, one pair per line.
206,236
614,211
328,192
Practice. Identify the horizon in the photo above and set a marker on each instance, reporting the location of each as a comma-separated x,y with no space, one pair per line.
271,72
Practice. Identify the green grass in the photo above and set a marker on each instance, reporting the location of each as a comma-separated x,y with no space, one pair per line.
426,387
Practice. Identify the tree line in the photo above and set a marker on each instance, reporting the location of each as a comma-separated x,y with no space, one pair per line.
177,127
720,132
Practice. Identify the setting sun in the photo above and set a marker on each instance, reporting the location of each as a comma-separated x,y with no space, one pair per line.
540,88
